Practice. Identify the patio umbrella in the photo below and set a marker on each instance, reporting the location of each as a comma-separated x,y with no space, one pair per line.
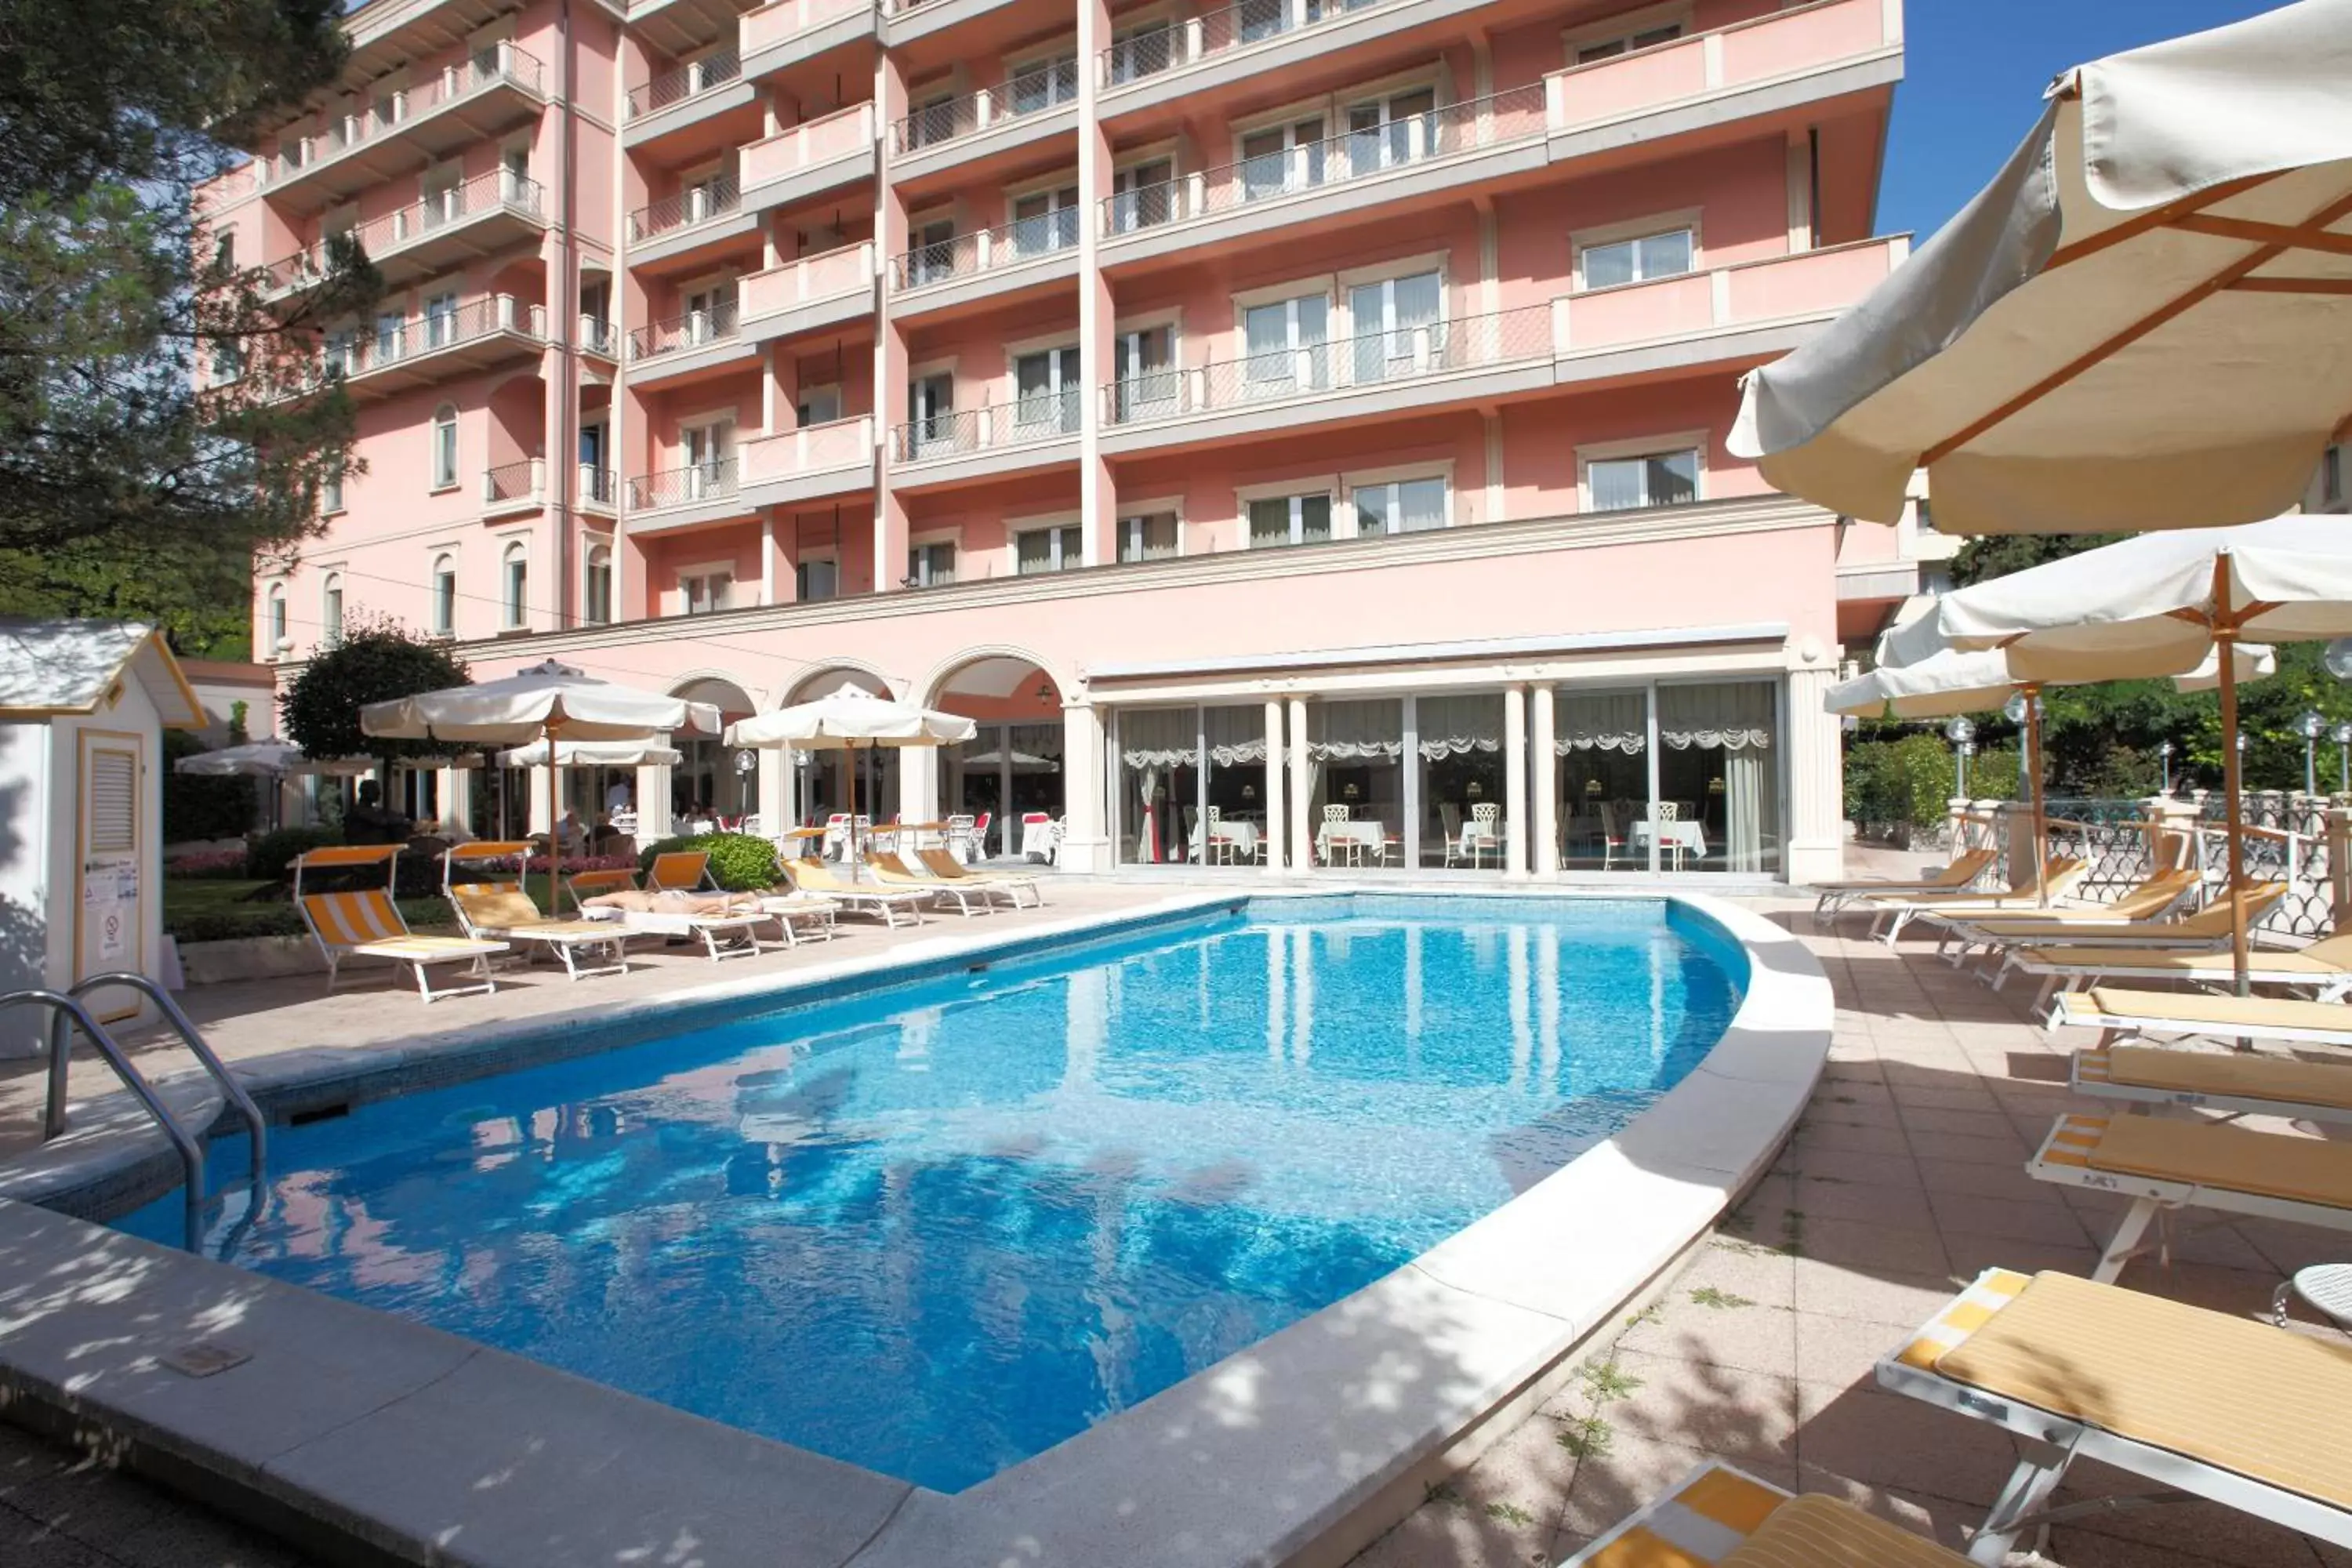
852,718
2156,602
548,702
592,754
2144,321
268,760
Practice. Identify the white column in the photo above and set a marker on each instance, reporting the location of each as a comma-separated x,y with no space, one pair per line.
1515,781
919,784
1547,763
653,802
1816,762
1085,837
1276,835
774,762
1302,832
537,799
458,800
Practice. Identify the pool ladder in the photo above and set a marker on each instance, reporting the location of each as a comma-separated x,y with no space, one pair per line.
67,1009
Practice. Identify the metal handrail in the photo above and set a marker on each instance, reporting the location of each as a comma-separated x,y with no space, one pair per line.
255,1123
66,1011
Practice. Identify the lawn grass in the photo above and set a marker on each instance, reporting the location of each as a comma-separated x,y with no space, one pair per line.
215,909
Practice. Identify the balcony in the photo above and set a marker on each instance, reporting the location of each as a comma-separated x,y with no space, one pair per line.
699,493
1751,309
814,291
522,487
1029,432
1426,154
599,337
437,345
690,81
1028,108
808,159
1026,250
1184,56
488,213
697,341
814,462
904,21
784,31
491,91
695,206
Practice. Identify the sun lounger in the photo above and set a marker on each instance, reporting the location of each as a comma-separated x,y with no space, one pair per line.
581,886
1017,886
801,917
2193,1400
681,871
726,924
2324,968
1890,913
890,904
2165,1164
2179,1015
502,912
892,872
1965,868
366,923
1718,1517
2137,909
2235,1083
2209,929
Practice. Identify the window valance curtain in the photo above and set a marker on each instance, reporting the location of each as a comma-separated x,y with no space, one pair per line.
1457,726
1038,740
1356,731
1160,738
1602,722
1237,735
1715,718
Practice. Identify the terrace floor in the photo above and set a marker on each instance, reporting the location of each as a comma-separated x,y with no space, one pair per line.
1904,1180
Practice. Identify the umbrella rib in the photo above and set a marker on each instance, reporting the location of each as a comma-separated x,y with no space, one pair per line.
2155,218
2294,285
2305,239
2125,338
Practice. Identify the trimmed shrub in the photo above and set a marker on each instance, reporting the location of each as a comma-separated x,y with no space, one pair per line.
200,808
739,862
1906,783
226,863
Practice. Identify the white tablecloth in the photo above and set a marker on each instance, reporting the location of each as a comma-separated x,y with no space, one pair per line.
1677,840
1240,836
1041,839
1354,839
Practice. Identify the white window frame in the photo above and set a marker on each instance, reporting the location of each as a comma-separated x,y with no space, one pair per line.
816,555
514,617
277,622
437,484
929,537
434,555
1365,479
701,571
1643,446
1625,24
1282,489
1345,284
332,502
331,626
1580,241
803,394
593,543
1051,522
1150,507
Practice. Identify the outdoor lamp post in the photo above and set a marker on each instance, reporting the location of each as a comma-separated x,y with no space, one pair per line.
2014,708
1963,736
2313,726
747,762
2342,738
2164,750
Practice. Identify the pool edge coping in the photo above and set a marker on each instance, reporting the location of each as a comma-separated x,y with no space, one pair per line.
1267,1463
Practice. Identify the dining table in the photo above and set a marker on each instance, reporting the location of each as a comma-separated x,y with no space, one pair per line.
1353,839
1676,839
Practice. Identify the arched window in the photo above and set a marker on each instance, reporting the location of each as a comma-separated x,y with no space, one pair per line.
516,578
330,611
445,596
277,621
598,585
444,445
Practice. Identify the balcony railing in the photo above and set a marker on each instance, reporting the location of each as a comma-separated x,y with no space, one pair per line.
780,19
599,487
826,274
693,330
500,64
391,343
1148,52
1019,423
524,483
1805,283
1032,92
1761,49
1457,128
599,336
695,203
809,450
711,480
385,236
1368,359
688,81
843,132
963,256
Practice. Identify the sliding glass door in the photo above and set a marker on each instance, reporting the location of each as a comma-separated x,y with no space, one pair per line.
1674,776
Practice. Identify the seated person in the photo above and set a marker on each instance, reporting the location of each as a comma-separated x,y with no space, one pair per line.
369,822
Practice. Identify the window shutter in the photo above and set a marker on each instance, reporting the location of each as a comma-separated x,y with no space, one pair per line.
114,802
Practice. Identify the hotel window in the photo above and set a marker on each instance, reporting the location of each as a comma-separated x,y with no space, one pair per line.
1610,48
1665,253
596,588
277,619
444,445
514,163
1046,392
391,330
514,595
710,451
818,406
1143,372
933,255
1397,327
932,565
1151,537
816,577
330,611
228,361
1655,478
1041,550
441,321
1142,194
331,492
933,119
931,402
1040,84
1394,128
445,596
704,593
1290,519
343,352
442,201
1399,506
1282,158
1284,346
1046,221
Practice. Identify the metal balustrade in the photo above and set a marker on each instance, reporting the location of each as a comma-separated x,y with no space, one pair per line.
1049,86
1148,52
715,323
598,485
502,64
998,425
1353,155
521,482
695,203
711,480
1400,354
689,80
964,255
390,344
599,336
385,235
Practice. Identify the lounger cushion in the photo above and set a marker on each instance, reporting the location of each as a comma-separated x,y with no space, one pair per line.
2156,1009
2241,1077
429,949
2112,960
1816,1532
2210,1155
2229,1392
1697,1525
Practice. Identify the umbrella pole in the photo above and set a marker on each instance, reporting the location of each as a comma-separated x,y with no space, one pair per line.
2225,641
2040,801
554,826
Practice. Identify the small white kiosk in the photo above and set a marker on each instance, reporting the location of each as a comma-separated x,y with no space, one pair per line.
83,705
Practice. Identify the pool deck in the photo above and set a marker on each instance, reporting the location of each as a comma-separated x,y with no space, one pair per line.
1903,1178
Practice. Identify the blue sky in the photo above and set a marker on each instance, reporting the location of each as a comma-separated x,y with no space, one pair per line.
1973,74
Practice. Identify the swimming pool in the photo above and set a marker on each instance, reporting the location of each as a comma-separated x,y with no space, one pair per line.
939,1228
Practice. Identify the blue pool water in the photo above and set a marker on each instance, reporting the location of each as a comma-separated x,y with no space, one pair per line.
937,1229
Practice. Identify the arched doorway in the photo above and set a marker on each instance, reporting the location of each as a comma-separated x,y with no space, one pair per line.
706,786
1010,771
823,782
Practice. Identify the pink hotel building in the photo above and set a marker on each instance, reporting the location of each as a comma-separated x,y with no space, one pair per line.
1264,414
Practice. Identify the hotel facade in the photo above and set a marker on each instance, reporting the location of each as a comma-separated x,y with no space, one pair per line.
1294,431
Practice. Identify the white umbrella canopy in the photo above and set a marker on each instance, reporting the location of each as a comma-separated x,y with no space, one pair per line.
592,754
851,717
549,697
268,760
2144,321
1952,682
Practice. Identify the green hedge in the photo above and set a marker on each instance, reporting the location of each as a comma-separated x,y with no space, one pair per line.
1908,783
285,920
739,862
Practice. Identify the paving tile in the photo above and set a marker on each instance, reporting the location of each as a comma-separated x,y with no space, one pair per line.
1762,1274
1892,1249
1899,1301
1972,1255
1895,1171
1876,1202
1861,1433
2040,1217
1747,1337
1852,1137
1746,1417
2005,1148
1843,1350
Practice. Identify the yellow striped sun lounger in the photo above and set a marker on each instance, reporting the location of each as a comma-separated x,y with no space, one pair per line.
1015,885
2324,967
368,924
2165,1164
1718,1517
2247,1414
1964,869
502,912
2139,910
968,898
1890,914
2177,1014
2233,1083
